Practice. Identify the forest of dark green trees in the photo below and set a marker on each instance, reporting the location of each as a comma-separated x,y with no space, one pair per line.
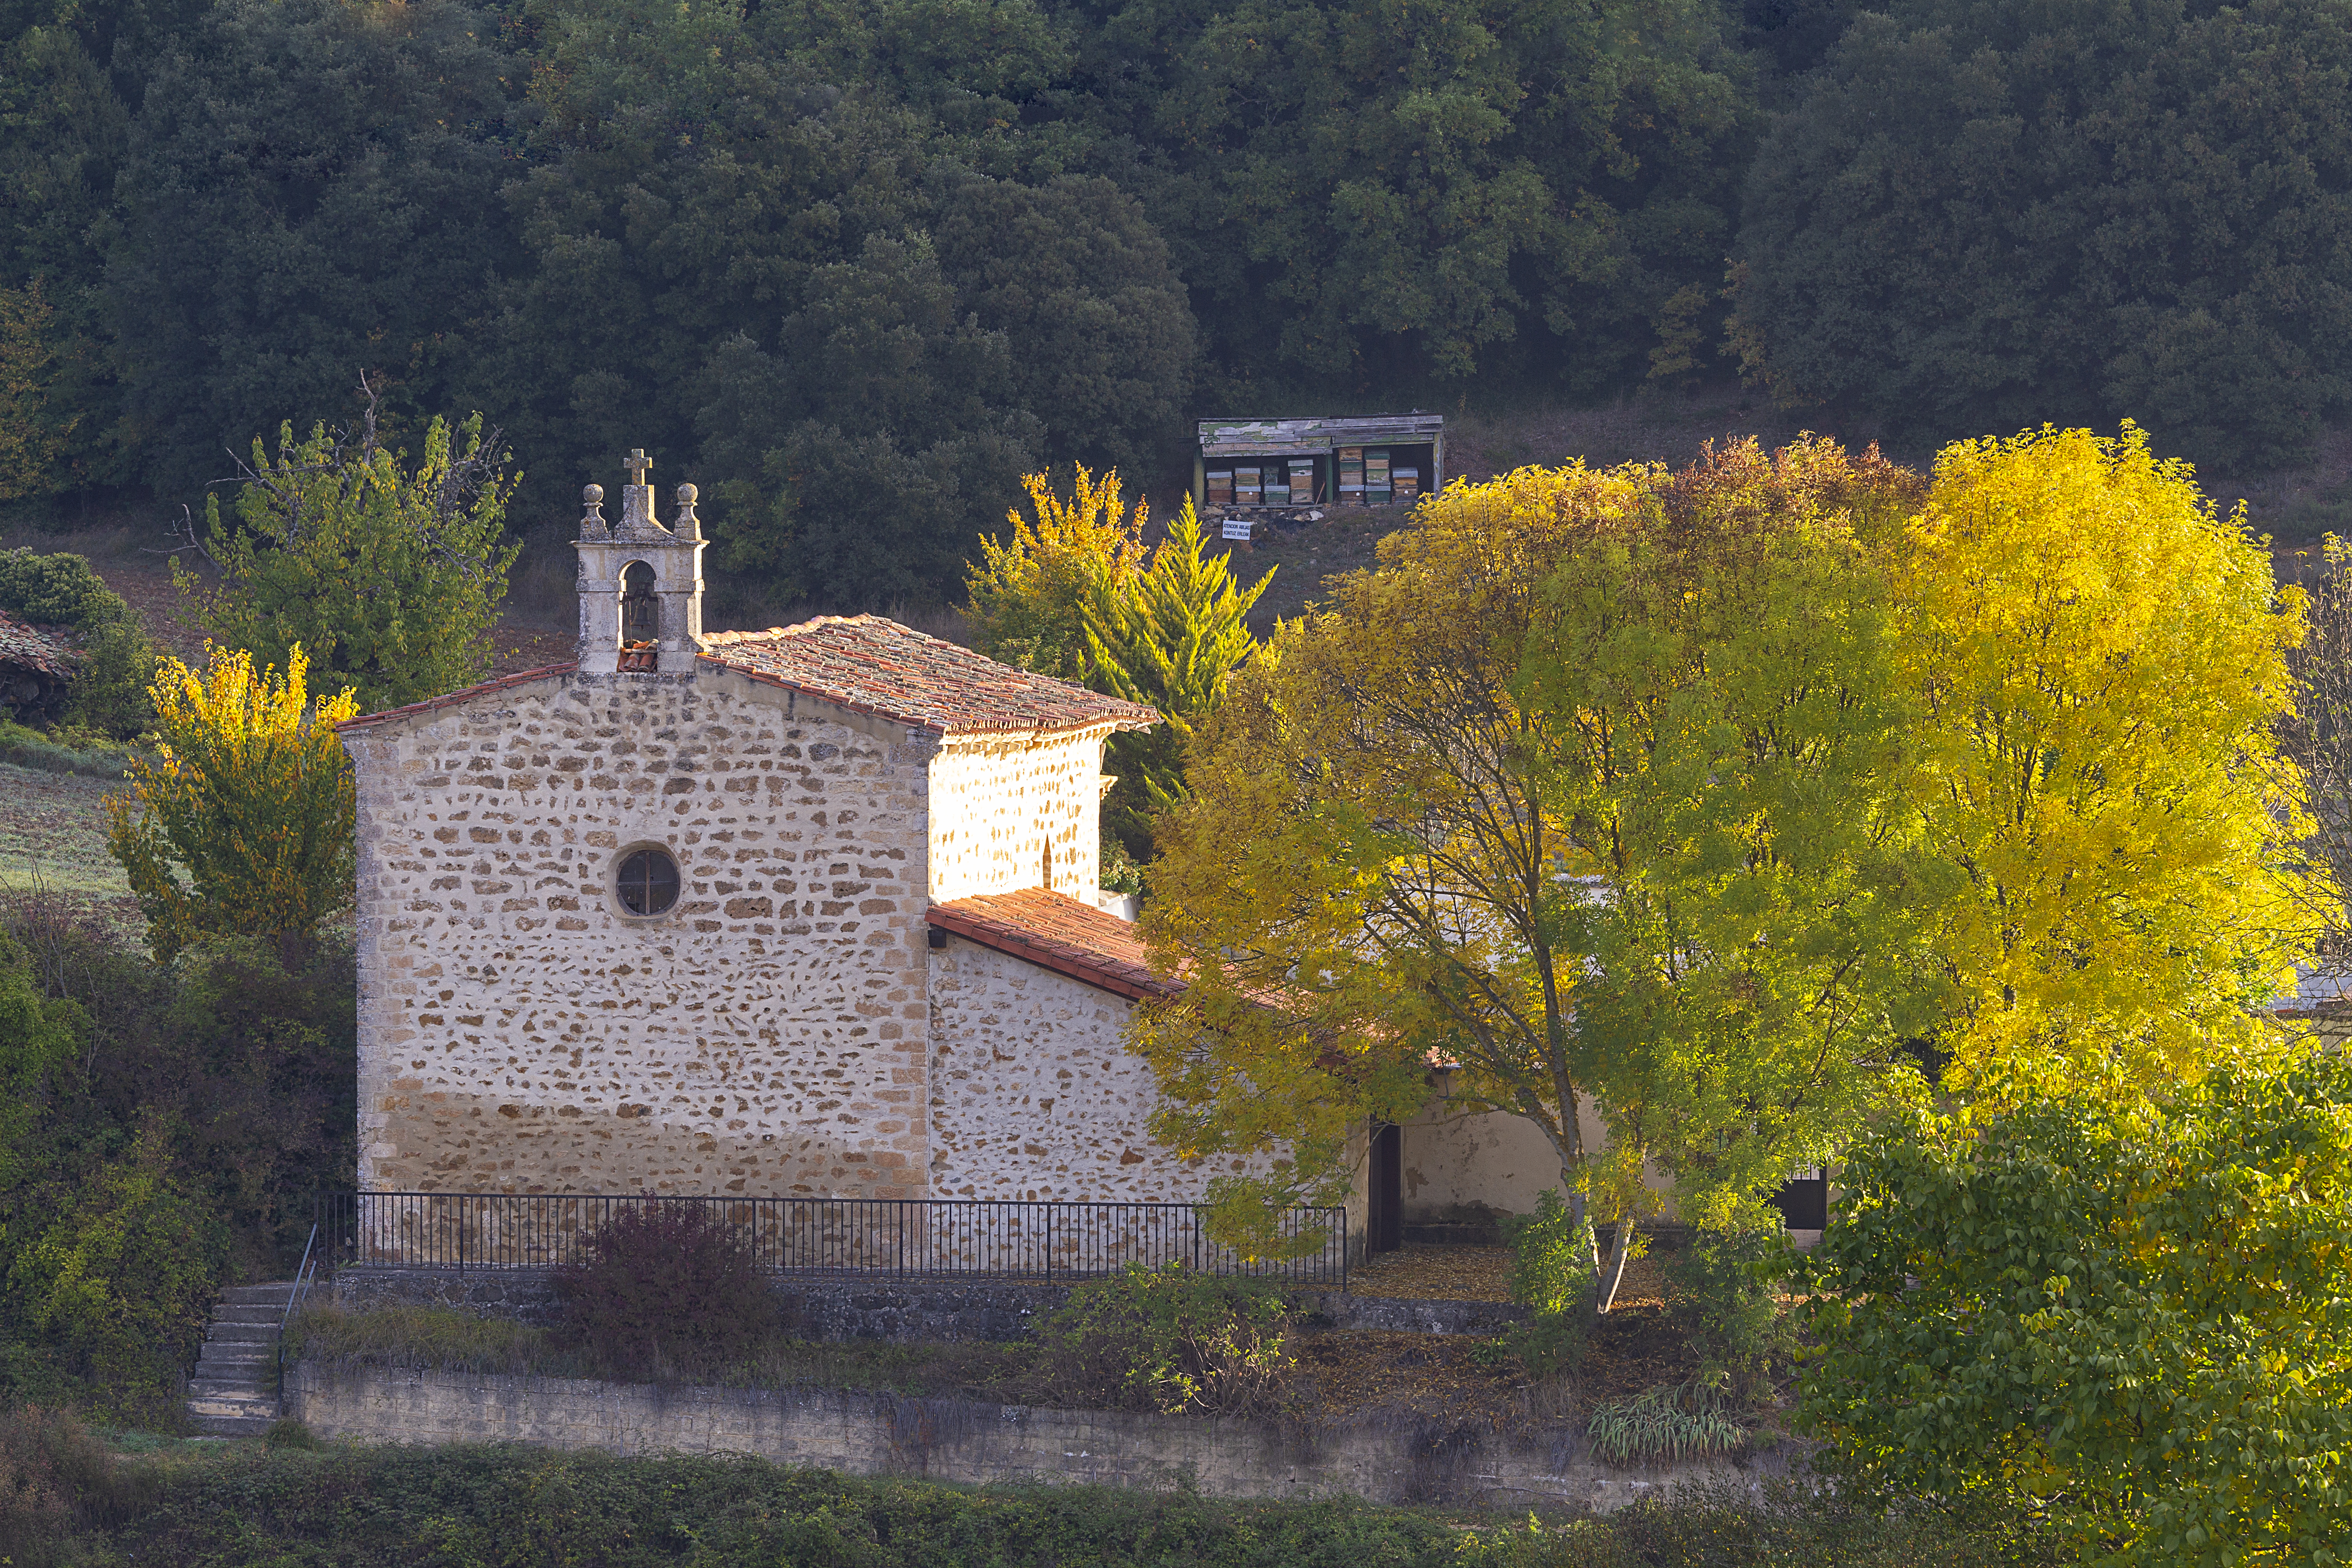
854,265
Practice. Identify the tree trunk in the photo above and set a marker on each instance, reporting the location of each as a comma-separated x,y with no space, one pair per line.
1605,1297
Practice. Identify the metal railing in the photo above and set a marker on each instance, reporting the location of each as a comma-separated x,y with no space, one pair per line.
826,1235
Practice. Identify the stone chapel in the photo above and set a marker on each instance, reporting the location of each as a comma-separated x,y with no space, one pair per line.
812,911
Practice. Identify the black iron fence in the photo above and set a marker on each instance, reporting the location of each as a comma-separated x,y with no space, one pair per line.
845,1236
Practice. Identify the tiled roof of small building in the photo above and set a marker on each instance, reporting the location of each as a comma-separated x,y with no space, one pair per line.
38,647
872,666
1056,932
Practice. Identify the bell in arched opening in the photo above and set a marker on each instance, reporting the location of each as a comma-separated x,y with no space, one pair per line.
640,610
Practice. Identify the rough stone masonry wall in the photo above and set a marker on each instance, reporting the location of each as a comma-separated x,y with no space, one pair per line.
518,1032
865,1434
999,802
1035,1094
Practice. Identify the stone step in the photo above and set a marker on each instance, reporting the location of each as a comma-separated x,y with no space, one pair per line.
211,1364
243,1333
231,1426
234,1405
230,1388
269,1312
258,1295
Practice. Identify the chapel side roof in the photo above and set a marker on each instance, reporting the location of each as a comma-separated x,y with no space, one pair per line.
36,647
872,666
1054,931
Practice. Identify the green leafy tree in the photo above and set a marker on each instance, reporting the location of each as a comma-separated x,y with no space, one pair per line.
391,578
882,428
1462,188
338,167
33,432
1169,637
1094,316
249,798
64,133
1594,788
2081,213
2130,1318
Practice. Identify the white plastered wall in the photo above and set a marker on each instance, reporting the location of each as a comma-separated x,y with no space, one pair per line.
999,802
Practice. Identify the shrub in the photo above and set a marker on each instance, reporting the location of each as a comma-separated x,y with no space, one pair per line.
108,691
1720,1295
55,1479
666,1287
1551,1255
1173,1341
116,1286
289,1434
59,589
2128,1319
1551,1276
1673,1421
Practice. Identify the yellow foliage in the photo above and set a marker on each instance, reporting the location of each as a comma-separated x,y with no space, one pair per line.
250,798
2103,661
1028,594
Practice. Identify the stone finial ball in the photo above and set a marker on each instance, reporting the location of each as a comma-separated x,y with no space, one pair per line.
687,495
592,493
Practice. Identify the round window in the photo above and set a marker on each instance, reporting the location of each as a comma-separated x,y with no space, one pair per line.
647,882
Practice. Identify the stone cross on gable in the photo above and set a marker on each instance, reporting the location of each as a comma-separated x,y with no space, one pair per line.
637,464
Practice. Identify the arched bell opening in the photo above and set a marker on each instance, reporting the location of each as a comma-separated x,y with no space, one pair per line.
640,607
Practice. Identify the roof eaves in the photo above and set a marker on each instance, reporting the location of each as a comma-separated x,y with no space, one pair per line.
463,694
1130,980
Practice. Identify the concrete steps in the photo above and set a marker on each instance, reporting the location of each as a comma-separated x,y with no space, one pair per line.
234,1391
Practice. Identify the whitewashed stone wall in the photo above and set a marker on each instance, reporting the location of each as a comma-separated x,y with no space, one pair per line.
1035,1094
1001,801
519,1032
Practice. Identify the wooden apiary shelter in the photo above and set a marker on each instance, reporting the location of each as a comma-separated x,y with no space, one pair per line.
1296,469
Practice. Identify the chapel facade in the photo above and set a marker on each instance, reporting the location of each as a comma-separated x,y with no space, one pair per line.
805,911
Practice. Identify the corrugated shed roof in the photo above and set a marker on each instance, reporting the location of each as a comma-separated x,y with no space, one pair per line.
1268,438
42,648
872,666
1056,932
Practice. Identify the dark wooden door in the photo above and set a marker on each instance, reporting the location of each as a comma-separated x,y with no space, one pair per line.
1804,1203
1384,1224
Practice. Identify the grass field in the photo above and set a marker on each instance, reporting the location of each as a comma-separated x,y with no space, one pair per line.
52,837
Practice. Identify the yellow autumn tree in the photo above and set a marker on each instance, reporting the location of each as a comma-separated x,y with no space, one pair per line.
1596,790
1029,593
2102,663
244,821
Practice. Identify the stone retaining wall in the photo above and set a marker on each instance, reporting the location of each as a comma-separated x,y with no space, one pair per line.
953,1440
898,1311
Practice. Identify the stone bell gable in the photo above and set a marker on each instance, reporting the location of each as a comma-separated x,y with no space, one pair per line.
656,918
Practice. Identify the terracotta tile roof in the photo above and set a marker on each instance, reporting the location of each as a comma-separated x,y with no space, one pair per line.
871,666
1056,932
42,648
464,694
